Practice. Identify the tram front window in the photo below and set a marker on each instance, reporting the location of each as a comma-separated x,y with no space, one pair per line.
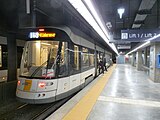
39,59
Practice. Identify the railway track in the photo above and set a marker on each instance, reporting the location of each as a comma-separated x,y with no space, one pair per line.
20,111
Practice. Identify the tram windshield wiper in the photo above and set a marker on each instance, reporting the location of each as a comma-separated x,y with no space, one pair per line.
37,69
50,65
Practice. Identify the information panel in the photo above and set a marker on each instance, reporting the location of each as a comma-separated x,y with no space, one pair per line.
140,35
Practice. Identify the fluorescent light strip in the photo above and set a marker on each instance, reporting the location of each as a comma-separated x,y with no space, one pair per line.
96,16
141,46
81,8
148,41
92,9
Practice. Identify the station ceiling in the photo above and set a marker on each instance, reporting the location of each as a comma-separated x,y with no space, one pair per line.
139,14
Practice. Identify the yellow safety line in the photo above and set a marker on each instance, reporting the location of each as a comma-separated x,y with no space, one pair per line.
82,109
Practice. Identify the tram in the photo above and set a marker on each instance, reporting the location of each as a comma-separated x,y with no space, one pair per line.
57,62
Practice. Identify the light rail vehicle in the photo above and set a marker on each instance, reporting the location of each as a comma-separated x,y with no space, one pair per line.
57,62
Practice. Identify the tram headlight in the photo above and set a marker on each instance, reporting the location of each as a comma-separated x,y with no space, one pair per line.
19,82
41,84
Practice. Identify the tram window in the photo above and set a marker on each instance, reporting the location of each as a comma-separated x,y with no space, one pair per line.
101,56
76,57
4,56
85,58
91,58
37,59
0,56
63,68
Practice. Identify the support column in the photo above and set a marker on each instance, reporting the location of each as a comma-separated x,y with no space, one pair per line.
139,60
145,56
12,57
133,59
154,73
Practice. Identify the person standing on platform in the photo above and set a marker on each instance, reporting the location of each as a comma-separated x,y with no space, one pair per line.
101,67
104,64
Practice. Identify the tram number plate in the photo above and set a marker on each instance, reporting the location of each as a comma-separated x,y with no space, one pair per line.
27,85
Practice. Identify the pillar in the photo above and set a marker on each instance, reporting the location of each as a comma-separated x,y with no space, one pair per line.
12,57
145,56
154,73
133,59
139,60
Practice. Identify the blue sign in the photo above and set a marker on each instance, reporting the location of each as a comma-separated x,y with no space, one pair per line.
140,35
158,61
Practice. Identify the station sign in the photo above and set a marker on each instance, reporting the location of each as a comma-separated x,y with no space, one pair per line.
123,47
140,35
42,35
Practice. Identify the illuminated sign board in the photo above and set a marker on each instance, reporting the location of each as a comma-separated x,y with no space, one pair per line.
135,35
124,46
41,35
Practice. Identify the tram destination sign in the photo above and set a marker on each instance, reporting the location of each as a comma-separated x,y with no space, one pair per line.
140,35
41,35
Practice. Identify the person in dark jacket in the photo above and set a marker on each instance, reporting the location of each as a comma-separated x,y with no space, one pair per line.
104,65
101,67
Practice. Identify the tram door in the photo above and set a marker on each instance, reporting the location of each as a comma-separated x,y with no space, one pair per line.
98,59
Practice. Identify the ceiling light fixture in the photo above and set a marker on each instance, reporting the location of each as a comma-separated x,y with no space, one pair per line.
120,12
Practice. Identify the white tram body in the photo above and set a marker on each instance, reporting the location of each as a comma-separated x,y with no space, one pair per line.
55,64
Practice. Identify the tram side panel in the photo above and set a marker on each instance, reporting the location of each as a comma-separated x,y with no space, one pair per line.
78,76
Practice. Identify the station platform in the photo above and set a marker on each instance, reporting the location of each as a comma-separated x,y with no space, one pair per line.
122,93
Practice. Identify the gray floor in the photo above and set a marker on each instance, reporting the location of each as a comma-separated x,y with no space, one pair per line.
128,95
